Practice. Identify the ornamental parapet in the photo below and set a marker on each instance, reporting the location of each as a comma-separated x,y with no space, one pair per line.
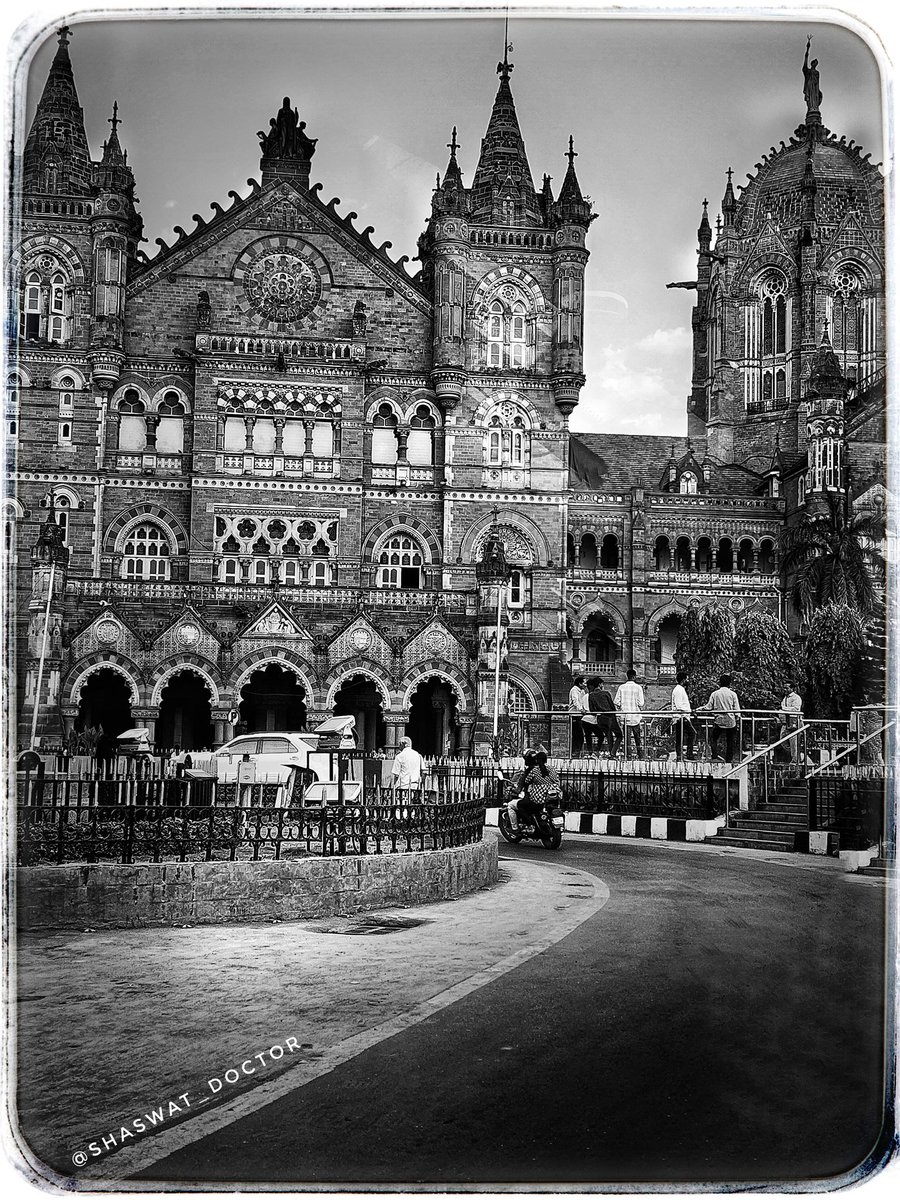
738,579
220,593
680,500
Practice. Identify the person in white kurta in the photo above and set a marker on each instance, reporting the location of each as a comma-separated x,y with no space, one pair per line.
407,769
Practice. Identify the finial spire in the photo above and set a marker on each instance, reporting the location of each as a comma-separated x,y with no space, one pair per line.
64,34
504,68
571,153
114,119
453,144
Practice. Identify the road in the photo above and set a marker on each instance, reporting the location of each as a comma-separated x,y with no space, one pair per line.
719,1019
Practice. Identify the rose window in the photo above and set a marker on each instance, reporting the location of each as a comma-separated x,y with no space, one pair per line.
282,286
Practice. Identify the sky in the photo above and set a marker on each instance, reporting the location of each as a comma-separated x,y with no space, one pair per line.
658,109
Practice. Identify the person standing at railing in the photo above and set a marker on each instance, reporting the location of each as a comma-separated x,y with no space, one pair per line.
726,710
629,702
406,773
602,705
791,710
578,707
682,725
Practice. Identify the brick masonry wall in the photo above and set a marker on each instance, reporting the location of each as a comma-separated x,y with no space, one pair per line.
114,896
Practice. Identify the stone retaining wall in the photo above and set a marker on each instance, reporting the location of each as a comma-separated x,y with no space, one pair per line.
115,896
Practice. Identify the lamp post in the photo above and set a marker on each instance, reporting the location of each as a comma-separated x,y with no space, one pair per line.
492,571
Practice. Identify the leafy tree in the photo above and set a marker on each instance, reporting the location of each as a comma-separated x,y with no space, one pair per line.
833,557
835,653
705,648
765,661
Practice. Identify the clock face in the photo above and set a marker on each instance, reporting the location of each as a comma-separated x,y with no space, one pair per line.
108,631
360,639
435,641
189,635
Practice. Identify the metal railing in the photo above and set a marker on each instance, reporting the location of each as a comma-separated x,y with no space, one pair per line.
58,833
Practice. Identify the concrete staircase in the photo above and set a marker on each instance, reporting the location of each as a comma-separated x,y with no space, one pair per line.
771,826
879,868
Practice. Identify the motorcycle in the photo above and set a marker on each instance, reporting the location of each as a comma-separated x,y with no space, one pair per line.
546,826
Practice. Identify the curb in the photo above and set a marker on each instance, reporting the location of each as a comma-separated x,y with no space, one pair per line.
663,829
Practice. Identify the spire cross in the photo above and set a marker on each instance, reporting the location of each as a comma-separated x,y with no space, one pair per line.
64,34
114,119
705,204
729,173
453,144
571,153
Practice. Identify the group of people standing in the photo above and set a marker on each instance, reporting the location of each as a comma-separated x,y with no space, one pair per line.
599,718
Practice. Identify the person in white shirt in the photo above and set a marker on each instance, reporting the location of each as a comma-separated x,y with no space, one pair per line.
407,769
791,710
682,725
578,706
629,702
726,710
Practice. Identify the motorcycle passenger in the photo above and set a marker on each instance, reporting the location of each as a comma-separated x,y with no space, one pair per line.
517,788
541,786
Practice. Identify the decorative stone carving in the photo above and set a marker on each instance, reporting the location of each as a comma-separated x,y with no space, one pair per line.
282,286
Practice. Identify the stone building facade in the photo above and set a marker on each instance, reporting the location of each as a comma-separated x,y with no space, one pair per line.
273,457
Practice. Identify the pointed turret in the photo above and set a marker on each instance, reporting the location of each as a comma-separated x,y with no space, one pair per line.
450,196
502,189
729,203
112,173
571,208
57,160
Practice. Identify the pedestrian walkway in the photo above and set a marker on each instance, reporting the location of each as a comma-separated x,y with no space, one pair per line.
131,1043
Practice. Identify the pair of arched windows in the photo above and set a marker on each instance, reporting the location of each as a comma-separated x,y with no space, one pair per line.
508,328
44,305
389,437
506,437
164,430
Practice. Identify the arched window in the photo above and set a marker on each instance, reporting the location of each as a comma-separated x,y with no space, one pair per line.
264,435
508,329
323,439
725,556
704,557
400,563
384,436
505,436
687,484
767,557
170,431
683,554
145,553
518,702
420,443
30,320
662,554
609,552
745,556
854,321
259,571
570,551
667,639
587,557
768,343
320,574
62,506
600,639
230,570
132,422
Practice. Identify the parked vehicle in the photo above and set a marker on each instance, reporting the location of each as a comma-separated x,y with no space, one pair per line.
545,827
276,755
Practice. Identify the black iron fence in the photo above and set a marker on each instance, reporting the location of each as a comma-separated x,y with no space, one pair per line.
639,789
851,807
57,832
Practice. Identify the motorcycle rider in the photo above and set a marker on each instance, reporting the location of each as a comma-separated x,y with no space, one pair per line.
517,787
542,786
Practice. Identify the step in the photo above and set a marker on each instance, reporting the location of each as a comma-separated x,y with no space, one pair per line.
756,819
875,872
776,836
760,844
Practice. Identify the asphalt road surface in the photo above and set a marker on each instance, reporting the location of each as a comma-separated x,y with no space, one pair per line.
719,1020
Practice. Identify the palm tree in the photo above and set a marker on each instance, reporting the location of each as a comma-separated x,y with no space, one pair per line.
834,558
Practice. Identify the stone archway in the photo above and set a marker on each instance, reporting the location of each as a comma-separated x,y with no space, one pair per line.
273,698
433,724
185,713
105,703
360,697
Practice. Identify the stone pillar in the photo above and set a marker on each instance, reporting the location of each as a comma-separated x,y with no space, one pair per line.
146,718
395,725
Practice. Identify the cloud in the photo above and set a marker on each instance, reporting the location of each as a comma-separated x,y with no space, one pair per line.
640,388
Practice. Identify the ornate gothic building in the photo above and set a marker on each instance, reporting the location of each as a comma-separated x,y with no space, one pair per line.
263,475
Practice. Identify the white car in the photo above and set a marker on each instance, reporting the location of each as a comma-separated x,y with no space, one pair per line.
273,755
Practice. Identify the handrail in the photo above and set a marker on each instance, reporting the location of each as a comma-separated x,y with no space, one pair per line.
850,750
745,762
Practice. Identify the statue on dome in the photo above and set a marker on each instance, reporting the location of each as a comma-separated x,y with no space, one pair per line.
811,90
